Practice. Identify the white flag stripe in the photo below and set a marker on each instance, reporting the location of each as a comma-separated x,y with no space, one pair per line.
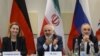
50,10
85,7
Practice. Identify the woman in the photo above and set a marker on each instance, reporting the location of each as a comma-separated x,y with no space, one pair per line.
14,42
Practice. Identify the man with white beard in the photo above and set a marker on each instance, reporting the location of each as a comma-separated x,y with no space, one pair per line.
88,39
49,41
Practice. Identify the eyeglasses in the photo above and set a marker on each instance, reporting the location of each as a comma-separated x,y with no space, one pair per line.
87,29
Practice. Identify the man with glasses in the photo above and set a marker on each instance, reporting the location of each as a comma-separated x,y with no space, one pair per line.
88,39
49,41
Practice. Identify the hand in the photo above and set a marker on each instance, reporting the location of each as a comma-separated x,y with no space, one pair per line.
86,38
55,41
48,41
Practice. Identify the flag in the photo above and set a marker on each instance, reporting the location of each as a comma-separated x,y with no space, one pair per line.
98,30
19,14
98,33
53,16
0,44
81,16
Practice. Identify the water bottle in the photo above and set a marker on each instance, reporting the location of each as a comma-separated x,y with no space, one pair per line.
76,48
82,49
92,52
82,46
99,48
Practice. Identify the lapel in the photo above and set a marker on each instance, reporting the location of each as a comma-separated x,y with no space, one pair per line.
18,42
9,44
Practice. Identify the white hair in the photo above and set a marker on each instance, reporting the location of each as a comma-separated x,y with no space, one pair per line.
83,25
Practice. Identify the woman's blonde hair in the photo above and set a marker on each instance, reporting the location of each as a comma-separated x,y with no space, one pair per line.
19,33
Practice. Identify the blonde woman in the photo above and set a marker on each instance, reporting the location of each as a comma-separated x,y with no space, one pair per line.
14,42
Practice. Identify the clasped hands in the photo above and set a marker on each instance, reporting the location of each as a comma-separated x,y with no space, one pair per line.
50,40
86,38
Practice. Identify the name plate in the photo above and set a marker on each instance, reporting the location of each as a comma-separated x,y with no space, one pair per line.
57,53
12,53
83,53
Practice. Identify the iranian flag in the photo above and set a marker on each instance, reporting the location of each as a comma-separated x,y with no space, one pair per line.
53,16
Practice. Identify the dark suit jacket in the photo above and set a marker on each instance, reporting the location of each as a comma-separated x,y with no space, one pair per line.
92,38
41,41
21,46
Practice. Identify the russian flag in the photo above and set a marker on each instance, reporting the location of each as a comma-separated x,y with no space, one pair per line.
81,16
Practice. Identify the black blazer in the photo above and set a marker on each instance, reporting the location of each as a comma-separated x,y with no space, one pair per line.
92,38
41,41
21,46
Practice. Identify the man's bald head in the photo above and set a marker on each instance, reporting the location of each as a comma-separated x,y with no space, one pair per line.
49,26
86,29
